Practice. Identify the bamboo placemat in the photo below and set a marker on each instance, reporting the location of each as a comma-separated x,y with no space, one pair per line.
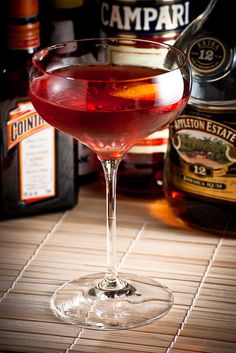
38,254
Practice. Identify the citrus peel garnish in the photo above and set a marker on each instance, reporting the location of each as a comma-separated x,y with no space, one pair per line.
146,91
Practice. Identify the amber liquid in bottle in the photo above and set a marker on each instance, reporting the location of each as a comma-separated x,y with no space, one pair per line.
200,169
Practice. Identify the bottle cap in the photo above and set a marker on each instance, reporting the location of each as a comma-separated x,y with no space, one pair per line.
23,37
67,4
23,8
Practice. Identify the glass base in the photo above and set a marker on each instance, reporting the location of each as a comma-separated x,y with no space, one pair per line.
138,301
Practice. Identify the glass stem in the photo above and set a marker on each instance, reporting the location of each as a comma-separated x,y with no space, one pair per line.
111,280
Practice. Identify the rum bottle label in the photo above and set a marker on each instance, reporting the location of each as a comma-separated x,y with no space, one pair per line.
204,144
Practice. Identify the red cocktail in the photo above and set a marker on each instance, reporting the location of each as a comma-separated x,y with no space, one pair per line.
108,108
109,94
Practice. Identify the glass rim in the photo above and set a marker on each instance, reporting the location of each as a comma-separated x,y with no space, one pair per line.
41,53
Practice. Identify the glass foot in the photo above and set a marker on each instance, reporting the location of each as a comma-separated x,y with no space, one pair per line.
137,302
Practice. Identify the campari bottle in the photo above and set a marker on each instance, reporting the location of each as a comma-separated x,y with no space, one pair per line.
200,169
141,170
37,163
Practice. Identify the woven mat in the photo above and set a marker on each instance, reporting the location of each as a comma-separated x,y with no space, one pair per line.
38,254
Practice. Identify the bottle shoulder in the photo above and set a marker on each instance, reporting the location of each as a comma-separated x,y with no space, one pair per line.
217,20
213,105
14,72
220,87
210,46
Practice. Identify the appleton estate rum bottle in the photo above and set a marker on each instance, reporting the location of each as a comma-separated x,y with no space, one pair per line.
200,171
37,165
141,170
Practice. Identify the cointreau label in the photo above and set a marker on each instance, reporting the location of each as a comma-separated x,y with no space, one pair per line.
23,121
37,160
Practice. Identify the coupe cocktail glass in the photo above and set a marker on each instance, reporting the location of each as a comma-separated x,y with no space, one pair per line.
109,94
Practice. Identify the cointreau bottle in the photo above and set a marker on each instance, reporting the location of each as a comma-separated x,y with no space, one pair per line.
37,163
200,170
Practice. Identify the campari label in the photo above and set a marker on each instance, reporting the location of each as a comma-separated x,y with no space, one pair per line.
162,19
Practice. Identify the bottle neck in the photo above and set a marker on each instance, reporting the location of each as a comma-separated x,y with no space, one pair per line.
217,10
23,30
23,8
24,36
67,4
22,41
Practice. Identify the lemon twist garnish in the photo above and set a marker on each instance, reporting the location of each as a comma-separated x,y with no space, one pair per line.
145,92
